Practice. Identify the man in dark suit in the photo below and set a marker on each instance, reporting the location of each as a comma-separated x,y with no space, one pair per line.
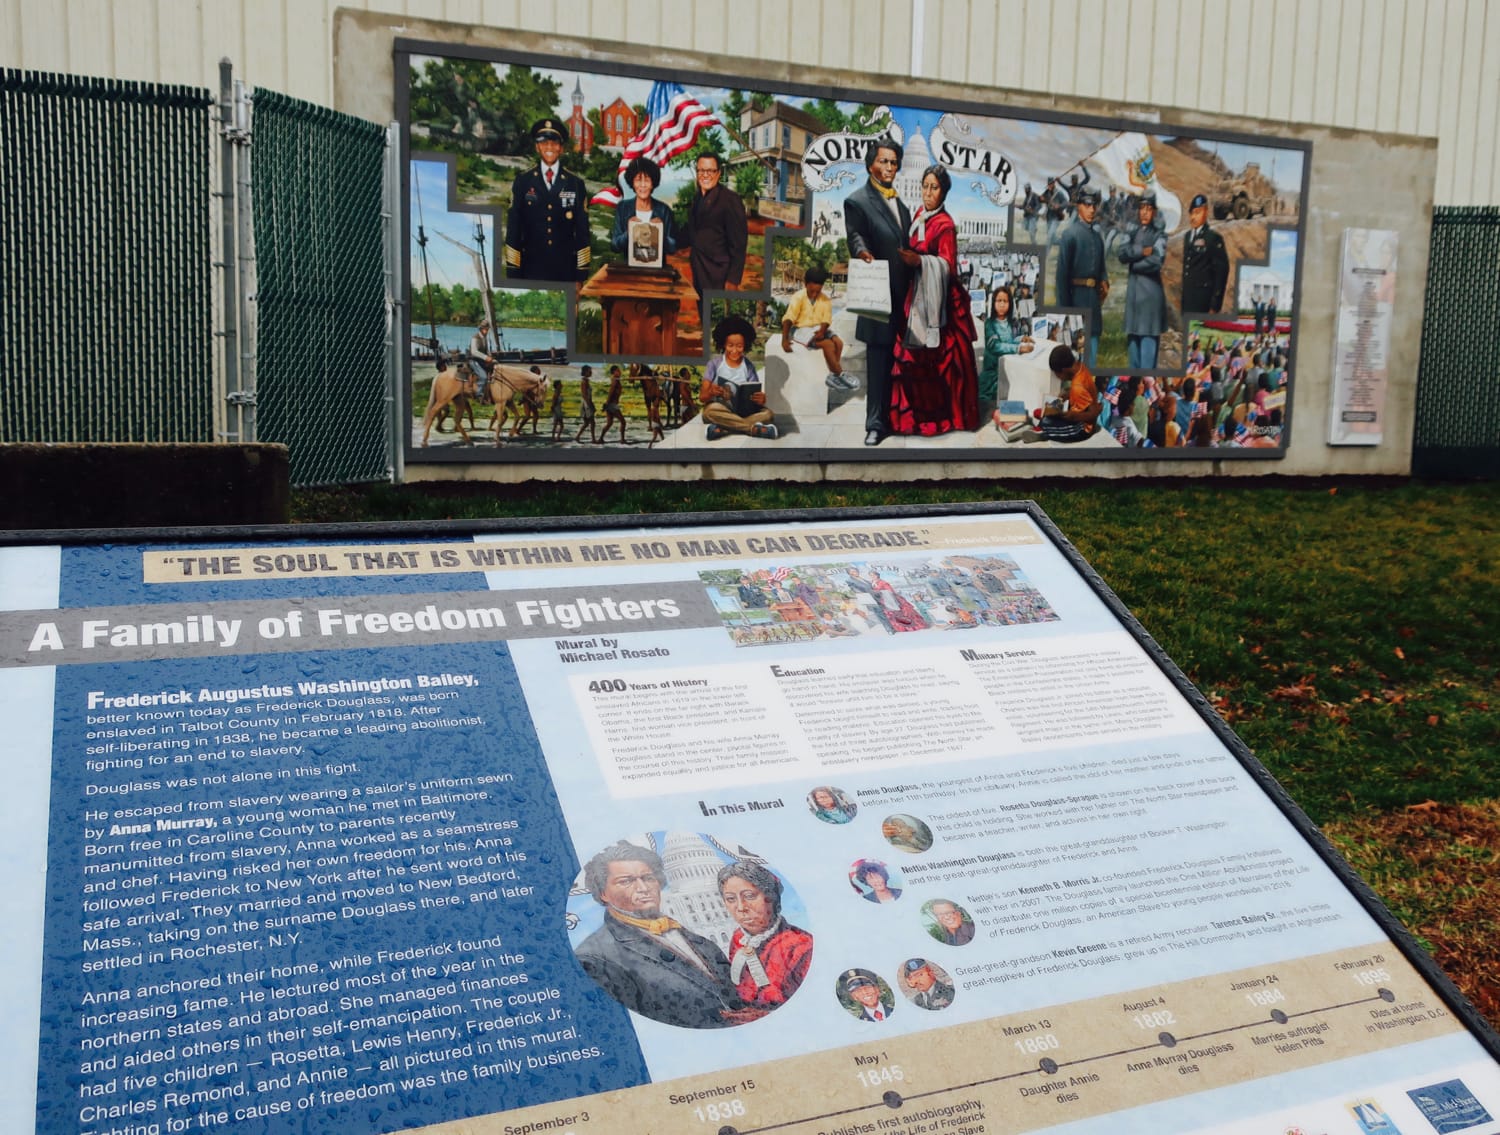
645,960
1205,264
952,927
547,227
876,222
716,230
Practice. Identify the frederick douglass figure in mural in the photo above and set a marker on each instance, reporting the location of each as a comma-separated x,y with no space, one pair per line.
877,221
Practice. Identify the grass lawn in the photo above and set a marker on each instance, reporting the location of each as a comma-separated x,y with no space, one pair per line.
1350,635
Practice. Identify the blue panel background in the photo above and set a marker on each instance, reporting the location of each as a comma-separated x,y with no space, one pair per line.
532,926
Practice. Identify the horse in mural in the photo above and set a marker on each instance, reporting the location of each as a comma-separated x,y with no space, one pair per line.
452,391
510,388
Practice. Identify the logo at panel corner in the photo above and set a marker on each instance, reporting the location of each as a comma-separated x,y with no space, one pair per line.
1449,1106
1372,1118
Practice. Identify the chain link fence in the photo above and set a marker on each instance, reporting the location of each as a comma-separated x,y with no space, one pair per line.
1458,393
320,297
106,326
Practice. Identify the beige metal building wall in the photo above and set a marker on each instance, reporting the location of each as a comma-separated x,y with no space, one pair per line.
1429,67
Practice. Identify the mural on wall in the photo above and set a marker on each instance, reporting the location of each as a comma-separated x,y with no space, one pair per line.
603,261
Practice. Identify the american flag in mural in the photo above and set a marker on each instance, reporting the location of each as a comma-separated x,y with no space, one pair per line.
674,119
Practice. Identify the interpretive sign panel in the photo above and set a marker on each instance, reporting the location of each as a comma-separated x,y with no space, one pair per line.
881,822
1361,363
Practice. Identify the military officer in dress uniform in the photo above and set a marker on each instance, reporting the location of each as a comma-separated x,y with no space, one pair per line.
1205,264
1081,277
547,228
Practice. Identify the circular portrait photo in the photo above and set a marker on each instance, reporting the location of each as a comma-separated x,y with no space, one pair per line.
676,928
875,881
864,995
831,805
925,984
907,833
948,922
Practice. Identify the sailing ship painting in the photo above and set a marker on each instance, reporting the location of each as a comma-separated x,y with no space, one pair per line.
453,287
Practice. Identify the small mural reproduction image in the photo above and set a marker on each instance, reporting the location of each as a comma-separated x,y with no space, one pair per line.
784,604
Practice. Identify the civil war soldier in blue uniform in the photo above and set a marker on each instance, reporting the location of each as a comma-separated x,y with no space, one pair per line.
1144,251
1112,220
547,228
1081,277
1031,209
1055,199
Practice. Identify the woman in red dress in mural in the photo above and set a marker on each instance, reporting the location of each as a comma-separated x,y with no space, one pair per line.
900,615
934,379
